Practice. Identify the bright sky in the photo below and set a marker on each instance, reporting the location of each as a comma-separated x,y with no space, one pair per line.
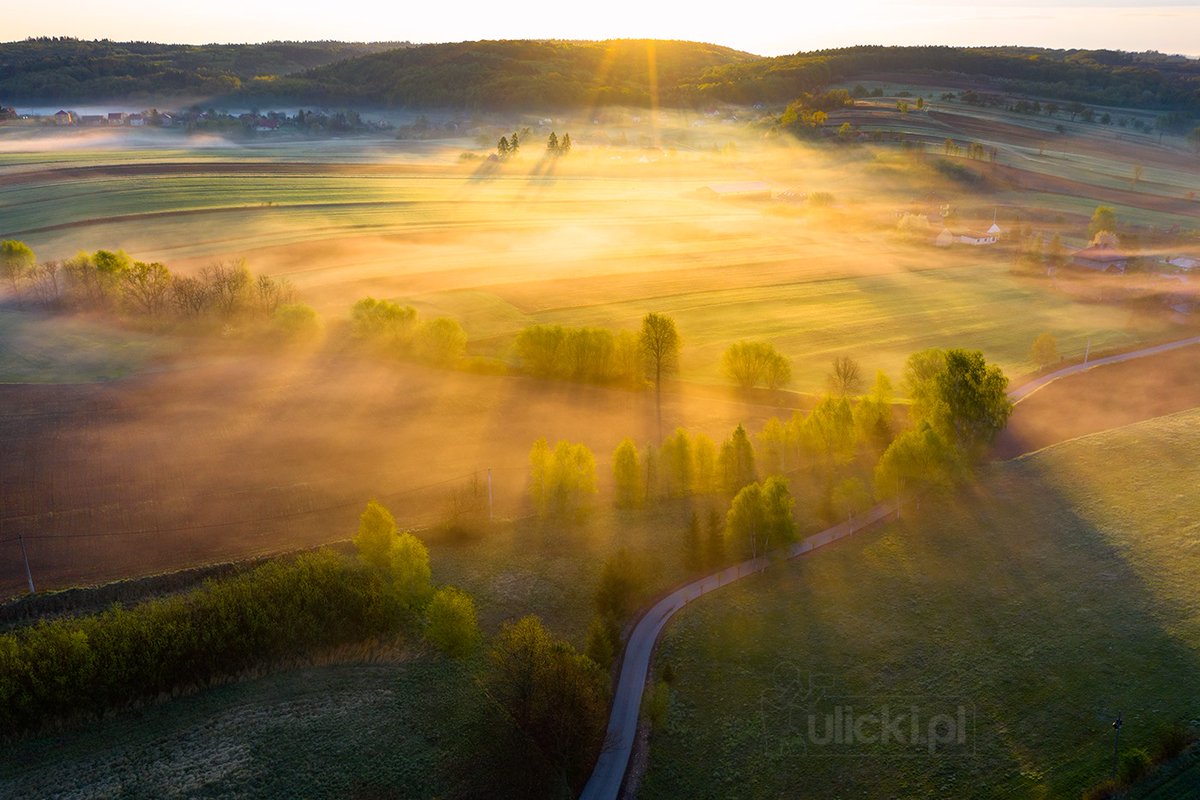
781,26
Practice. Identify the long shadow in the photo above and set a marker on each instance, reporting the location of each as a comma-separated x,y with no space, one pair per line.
1037,620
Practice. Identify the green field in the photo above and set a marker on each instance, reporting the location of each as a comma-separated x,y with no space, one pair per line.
1055,595
600,239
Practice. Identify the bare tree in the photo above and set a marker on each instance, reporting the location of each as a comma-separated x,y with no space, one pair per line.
846,378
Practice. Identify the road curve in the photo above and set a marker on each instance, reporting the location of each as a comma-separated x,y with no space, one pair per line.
609,772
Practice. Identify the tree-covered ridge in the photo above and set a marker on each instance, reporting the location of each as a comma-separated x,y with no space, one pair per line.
63,69
551,74
1146,80
512,74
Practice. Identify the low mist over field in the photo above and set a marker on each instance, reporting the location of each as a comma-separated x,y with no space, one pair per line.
440,378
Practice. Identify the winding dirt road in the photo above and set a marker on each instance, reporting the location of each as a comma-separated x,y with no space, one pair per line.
613,764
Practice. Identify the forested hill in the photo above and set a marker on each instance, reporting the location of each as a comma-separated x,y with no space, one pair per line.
53,70
1106,77
514,75
544,74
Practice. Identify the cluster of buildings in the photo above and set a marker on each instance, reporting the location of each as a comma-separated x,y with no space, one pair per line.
114,119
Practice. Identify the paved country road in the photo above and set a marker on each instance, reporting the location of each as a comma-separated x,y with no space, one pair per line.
609,773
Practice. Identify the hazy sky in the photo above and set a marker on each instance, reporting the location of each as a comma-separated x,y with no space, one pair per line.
766,28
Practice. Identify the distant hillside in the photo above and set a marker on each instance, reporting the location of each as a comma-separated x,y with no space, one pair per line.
555,74
511,74
1107,77
53,70
544,74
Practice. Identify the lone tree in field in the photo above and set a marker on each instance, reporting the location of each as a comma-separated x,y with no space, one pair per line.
552,143
749,364
660,352
1044,351
846,377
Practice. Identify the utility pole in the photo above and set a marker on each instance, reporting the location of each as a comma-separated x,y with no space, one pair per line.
25,558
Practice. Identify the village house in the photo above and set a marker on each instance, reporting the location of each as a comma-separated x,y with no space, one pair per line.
62,117
92,120
117,117
973,238
136,120
1102,257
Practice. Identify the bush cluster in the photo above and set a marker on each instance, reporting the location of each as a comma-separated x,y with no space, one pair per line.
60,669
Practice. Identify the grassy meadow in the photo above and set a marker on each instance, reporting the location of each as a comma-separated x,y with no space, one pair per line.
1056,594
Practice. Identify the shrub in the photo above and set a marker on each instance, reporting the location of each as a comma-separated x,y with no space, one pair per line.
452,626
1134,765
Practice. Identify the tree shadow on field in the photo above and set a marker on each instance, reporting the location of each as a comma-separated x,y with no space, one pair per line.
1005,597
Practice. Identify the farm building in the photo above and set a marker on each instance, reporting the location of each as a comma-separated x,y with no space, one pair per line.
973,238
136,120
740,190
117,117
63,118
1101,258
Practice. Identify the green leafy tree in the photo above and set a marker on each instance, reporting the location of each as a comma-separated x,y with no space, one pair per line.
16,262
1044,351
383,323
552,143
556,698
772,447
627,475
873,415
451,624
440,341
750,364
562,481
693,544
376,534
760,516
918,458
850,497
297,323
408,562
660,346
1103,219
735,464
677,464
705,473
147,287
974,405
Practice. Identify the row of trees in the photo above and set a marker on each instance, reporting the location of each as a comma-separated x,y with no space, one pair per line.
63,668
587,355
395,330
113,282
